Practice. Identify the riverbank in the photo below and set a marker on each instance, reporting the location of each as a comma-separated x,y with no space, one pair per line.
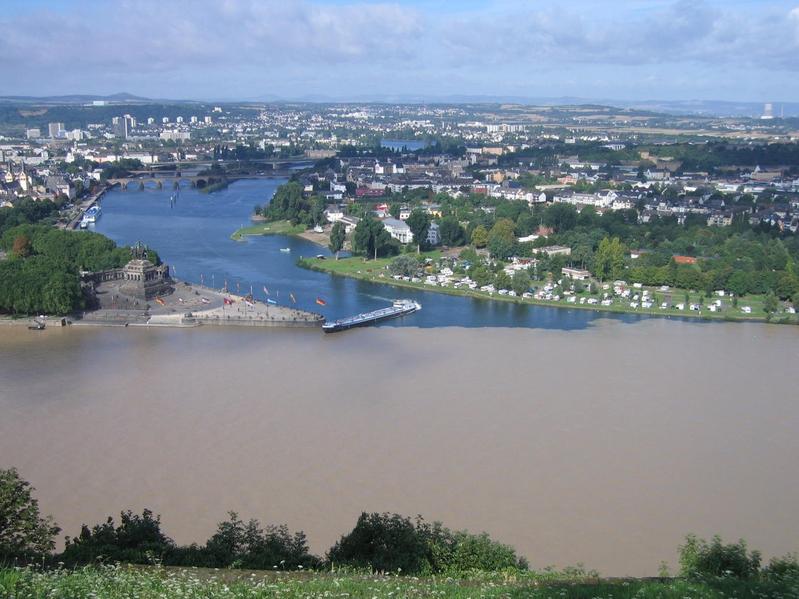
282,227
111,582
375,271
188,305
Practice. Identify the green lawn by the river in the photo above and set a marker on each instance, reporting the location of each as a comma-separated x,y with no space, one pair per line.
282,227
376,271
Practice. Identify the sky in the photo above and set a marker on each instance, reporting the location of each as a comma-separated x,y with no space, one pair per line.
428,49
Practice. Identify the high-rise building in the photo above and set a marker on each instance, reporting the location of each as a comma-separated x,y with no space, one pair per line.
33,133
768,112
193,120
208,120
55,129
123,125
179,119
150,121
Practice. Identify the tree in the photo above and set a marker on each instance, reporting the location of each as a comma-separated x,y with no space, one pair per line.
137,539
451,231
337,236
503,280
699,559
561,217
371,239
481,275
502,239
24,532
609,259
419,223
521,282
404,266
249,545
770,303
480,237
383,542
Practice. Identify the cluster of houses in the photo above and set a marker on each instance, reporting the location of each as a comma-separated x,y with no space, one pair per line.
396,227
17,180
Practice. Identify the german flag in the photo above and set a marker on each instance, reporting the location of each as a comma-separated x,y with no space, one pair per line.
320,301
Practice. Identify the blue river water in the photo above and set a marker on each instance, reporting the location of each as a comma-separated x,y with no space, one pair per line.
193,236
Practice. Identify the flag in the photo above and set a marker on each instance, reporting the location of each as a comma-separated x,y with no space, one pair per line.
266,291
271,301
320,301
293,299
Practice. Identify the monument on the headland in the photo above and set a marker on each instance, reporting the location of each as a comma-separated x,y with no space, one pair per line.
139,279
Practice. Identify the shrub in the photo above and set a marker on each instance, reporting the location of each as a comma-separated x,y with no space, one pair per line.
699,559
137,540
391,543
24,533
463,552
383,542
781,567
405,265
248,545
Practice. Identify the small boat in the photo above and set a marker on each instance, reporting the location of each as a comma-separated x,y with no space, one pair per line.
37,325
285,250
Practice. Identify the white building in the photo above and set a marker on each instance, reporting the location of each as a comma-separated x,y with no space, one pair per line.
433,234
175,135
398,230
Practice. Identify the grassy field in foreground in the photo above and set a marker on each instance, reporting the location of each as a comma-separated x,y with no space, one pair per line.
375,271
118,582
282,227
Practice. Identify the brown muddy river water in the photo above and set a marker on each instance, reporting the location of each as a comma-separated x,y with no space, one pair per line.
603,446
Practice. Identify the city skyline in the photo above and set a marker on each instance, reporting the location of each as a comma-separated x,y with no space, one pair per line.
247,50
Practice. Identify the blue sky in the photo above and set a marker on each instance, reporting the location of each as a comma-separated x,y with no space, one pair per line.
244,49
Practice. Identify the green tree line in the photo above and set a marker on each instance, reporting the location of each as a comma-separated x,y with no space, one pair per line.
41,273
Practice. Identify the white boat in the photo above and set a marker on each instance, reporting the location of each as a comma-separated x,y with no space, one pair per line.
285,250
92,214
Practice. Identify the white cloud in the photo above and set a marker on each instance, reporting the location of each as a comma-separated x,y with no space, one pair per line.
287,47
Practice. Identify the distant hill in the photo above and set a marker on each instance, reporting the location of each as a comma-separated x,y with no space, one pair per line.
721,108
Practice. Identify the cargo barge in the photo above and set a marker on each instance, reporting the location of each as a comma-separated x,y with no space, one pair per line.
400,307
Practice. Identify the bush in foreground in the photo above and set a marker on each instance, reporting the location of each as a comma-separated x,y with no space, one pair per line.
701,559
24,532
393,543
